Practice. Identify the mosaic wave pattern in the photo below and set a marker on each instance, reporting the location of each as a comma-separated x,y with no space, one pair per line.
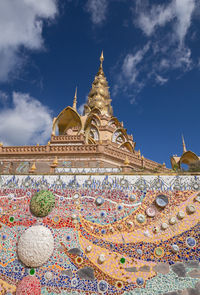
99,235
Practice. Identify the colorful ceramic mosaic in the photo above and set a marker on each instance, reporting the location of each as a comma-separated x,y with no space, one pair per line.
99,235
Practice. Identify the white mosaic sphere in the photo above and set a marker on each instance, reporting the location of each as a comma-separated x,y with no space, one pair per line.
35,246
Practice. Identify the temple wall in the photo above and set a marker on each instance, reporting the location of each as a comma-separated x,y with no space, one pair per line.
98,234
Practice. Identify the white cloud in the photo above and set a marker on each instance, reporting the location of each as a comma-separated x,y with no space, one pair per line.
161,80
97,10
158,15
3,97
81,109
21,24
165,30
180,11
131,61
184,11
27,121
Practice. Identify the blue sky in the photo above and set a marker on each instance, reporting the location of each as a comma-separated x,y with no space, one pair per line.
152,64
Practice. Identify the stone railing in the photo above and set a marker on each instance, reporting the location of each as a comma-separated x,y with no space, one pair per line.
133,158
73,149
61,138
22,149
108,150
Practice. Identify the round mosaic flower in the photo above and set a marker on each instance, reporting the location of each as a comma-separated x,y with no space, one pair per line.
159,252
140,218
132,198
150,211
191,242
79,260
119,285
35,246
164,226
99,201
42,203
162,201
29,285
140,281
74,282
122,260
103,286
191,209
175,248
48,275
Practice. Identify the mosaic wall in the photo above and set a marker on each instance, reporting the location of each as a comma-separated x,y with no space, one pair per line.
99,235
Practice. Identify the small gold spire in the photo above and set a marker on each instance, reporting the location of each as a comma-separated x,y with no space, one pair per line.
101,59
75,99
139,153
184,146
33,168
48,143
164,164
37,144
126,162
55,161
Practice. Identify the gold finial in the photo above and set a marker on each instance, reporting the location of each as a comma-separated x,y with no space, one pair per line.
75,99
126,162
164,164
142,157
139,153
33,168
48,142
1,143
37,144
101,59
184,146
55,161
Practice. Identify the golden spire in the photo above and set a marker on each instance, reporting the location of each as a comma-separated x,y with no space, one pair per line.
99,96
184,146
75,99
33,168
101,59
55,161
126,162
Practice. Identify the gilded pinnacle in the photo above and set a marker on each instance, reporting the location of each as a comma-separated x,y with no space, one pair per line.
101,58
55,161
33,168
126,162
99,96
184,146
75,99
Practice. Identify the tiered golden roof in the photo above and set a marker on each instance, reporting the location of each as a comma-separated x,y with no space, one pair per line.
99,96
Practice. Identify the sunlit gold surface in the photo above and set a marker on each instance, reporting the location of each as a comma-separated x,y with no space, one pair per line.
99,96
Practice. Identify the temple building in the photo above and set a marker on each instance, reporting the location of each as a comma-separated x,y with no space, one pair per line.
188,157
86,221
94,142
